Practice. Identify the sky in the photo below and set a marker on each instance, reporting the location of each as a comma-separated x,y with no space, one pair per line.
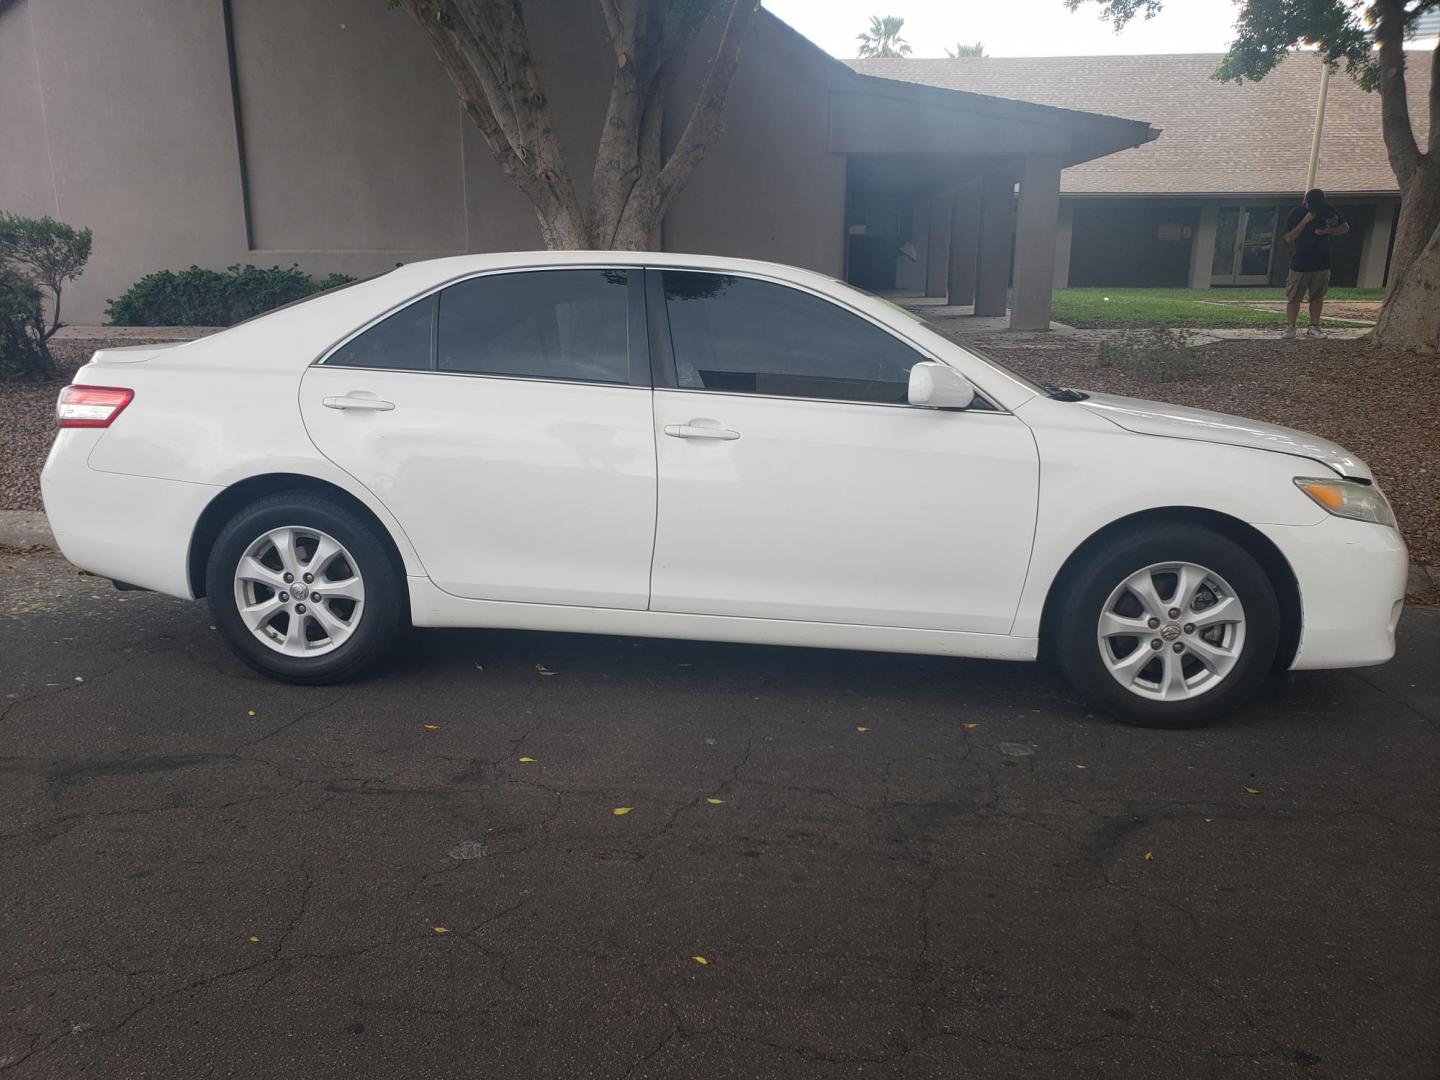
1013,27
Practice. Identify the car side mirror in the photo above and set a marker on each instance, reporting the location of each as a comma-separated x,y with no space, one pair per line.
939,386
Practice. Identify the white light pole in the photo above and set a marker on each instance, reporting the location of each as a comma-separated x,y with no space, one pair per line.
1319,125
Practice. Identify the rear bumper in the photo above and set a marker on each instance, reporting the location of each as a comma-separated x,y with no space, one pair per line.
1352,588
135,529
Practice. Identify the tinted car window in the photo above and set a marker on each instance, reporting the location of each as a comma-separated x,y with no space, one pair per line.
544,324
751,337
400,341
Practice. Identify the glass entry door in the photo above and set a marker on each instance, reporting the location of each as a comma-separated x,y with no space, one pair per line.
1244,245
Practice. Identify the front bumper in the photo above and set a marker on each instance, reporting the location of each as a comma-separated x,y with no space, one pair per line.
135,529
1352,578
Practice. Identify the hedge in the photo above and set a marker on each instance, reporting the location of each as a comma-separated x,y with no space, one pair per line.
199,297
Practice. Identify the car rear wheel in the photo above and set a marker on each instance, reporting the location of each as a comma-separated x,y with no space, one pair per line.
1168,627
303,589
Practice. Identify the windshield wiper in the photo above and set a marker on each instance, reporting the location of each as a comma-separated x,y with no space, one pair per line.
1061,394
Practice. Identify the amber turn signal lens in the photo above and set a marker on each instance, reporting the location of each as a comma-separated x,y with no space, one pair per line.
1329,496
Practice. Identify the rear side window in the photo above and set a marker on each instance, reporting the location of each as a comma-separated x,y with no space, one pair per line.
541,324
400,342
743,336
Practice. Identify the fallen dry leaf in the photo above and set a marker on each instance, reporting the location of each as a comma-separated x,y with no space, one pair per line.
441,929
79,678
969,727
526,760
1079,766
701,961
715,802
254,938
1149,856
249,712
543,670
431,727
621,811
1209,819
862,729
1251,791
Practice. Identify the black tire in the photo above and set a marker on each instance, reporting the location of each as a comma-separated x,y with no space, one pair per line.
384,615
1088,585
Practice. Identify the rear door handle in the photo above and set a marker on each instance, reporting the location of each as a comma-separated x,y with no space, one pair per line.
365,404
699,431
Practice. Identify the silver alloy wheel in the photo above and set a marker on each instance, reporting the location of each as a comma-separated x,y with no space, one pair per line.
299,591
1171,631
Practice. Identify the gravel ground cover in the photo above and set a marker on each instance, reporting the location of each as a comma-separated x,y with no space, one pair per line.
1383,406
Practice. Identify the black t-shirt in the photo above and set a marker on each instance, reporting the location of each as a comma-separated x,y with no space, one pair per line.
1312,252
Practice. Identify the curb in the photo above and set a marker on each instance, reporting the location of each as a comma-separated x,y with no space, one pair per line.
25,529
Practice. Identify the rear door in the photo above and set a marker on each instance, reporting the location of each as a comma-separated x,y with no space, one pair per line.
797,483
506,422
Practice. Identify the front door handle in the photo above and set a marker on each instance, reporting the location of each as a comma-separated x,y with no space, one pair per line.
366,404
699,431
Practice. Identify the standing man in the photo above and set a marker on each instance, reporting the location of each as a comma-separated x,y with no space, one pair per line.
1309,228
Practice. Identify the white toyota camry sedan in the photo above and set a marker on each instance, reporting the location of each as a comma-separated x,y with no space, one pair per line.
697,447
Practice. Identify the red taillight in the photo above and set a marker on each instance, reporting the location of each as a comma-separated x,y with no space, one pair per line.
91,406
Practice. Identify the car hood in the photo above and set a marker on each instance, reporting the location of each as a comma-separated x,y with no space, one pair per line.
1201,425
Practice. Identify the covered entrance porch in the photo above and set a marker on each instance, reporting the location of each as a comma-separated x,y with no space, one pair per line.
956,195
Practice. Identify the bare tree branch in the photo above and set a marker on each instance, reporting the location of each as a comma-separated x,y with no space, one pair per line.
708,114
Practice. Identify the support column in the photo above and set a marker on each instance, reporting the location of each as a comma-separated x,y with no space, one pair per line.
997,218
937,250
964,243
1375,246
910,276
1064,230
1202,246
1036,221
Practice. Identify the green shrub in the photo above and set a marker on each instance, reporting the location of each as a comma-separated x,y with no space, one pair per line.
199,297
1151,356
23,354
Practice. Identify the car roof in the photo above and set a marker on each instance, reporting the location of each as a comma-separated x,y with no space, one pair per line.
429,271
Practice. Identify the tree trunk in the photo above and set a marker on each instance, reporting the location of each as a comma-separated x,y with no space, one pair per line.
1410,317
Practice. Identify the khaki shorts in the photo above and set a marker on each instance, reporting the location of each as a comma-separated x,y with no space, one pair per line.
1300,282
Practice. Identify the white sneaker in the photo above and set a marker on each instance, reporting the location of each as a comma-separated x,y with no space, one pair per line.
1314,331
1288,333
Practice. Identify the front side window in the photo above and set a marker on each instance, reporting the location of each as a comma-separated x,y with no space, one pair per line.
542,324
743,336
400,341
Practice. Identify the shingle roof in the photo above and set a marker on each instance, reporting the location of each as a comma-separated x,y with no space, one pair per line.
1217,138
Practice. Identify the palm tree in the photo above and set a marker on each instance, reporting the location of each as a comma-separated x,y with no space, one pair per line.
883,37
978,49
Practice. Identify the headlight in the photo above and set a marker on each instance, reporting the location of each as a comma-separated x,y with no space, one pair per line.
1348,499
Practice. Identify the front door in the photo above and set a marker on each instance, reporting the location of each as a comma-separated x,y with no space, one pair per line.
1244,245
796,483
506,424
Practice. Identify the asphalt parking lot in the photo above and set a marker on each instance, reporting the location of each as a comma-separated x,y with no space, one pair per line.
832,864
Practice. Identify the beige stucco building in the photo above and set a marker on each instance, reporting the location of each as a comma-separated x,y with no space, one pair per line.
324,133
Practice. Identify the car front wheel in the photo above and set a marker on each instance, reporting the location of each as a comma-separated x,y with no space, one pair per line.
1168,627
303,589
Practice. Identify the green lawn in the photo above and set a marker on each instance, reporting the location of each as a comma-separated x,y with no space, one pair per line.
1178,307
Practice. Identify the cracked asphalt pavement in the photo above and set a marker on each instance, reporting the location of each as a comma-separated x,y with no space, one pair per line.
894,866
